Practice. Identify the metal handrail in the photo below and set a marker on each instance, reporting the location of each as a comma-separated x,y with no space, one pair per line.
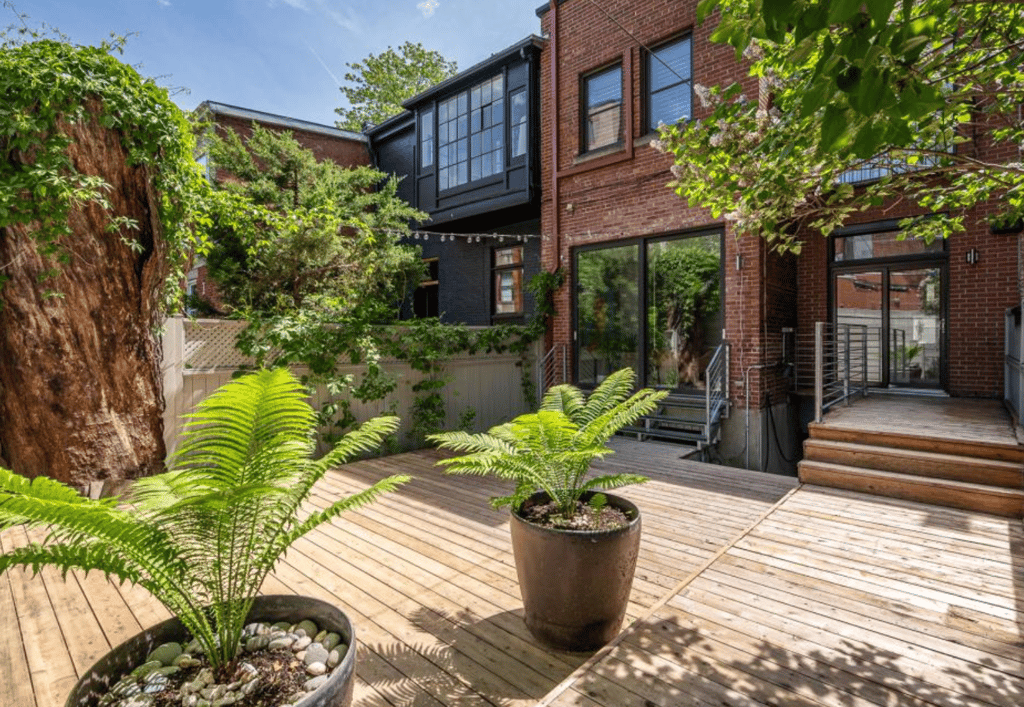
716,391
547,368
838,374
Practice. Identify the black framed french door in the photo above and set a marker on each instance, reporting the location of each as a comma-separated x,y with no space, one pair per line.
902,307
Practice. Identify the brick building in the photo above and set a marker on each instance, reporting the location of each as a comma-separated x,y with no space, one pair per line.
609,73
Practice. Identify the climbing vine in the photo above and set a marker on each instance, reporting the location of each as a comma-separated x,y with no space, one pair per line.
321,346
47,85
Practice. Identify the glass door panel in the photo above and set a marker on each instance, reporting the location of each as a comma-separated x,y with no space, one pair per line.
684,317
859,304
915,327
607,312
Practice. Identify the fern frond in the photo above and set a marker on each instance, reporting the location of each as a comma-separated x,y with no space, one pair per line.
607,396
564,398
613,481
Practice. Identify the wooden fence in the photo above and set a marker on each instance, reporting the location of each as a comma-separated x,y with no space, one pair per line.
199,356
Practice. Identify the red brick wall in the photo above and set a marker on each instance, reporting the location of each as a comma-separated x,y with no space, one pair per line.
347,153
622,194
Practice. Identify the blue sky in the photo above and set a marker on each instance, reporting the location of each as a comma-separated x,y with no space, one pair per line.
280,56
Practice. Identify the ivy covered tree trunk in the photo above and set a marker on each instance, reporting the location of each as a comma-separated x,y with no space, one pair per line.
80,380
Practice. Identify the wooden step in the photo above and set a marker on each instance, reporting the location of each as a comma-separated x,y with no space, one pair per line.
941,492
992,472
908,440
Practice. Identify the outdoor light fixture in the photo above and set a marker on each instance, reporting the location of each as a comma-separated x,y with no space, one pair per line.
973,256
739,261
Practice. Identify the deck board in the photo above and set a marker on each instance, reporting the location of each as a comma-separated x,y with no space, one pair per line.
747,594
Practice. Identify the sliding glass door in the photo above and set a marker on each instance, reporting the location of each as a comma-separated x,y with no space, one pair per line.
653,305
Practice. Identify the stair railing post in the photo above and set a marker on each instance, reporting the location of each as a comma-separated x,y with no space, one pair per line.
846,364
864,363
819,372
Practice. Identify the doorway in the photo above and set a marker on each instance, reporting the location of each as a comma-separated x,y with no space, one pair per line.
894,288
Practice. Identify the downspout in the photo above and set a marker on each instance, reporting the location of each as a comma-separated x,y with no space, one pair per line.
555,127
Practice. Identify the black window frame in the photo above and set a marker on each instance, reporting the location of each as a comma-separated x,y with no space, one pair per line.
648,72
503,129
584,126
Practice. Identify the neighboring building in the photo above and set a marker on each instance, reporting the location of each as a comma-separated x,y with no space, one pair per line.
468,153
620,236
343,147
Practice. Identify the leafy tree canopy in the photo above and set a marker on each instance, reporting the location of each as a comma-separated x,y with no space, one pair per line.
290,233
905,89
381,83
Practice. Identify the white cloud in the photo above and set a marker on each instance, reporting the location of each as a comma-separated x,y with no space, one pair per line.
428,7
344,18
297,4
164,3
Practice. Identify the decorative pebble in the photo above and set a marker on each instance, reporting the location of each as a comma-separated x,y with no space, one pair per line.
315,669
301,655
190,701
330,641
138,701
314,683
193,647
280,643
165,653
302,643
283,625
315,654
319,638
183,661
308,626
248,687
256,643
333,658
146,668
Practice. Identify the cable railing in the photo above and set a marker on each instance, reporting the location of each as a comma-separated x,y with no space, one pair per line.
716,392
552,369
844,357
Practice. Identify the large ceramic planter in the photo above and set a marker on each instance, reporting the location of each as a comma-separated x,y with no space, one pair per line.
336,692
575,584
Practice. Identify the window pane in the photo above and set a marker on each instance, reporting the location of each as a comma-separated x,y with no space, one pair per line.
882,245
684,309
427,139
475,93
508,256
608,306
670,105
603,108
670,64
475,168
463,104
463,127
518,120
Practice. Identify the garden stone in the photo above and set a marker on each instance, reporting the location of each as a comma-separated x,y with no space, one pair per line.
248,687
302,643
139,701
203,703
314,683
165,653
166,672
301,655
319,638
316,669
333,658
256,643
315,654
283,625
146,668
280,643
308,626
193,647
330,641
183,661
190,701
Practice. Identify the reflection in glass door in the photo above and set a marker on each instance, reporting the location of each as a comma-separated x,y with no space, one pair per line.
915,327
902,310
607,312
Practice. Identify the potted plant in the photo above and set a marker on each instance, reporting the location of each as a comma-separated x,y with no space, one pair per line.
575,547
202,537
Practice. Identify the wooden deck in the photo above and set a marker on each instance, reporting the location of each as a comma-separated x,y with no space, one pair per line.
748,593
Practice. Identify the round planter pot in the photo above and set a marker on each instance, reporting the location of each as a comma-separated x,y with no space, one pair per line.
575,584
336,692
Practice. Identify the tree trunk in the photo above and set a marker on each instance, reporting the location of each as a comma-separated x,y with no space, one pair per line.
80,380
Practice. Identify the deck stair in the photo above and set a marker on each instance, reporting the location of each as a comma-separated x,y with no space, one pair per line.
976,475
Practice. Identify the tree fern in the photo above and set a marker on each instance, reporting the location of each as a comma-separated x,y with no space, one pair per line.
203,536
551,450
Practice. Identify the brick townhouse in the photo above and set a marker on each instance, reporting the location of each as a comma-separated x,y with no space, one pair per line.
609,73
